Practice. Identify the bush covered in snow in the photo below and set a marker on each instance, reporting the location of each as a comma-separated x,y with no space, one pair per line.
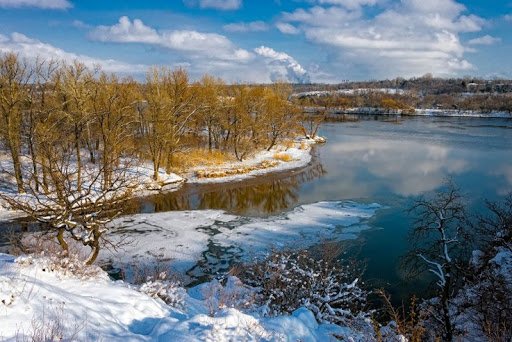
227,292
483,309
168,290
68,265
287,280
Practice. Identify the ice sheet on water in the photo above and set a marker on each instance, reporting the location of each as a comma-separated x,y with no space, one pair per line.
170,235
184,236
305,225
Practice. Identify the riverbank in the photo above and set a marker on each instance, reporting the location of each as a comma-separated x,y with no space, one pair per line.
410,112
280,158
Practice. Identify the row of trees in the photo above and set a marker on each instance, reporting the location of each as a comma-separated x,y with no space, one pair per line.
425,85
73,134
47,103
411,100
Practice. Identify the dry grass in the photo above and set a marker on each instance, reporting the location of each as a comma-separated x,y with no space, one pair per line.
183,161
303,145
236,171
285,157
289,144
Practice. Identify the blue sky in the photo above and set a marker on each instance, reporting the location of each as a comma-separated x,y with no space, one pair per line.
263,41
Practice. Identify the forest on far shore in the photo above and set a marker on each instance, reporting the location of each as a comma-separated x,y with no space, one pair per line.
424,92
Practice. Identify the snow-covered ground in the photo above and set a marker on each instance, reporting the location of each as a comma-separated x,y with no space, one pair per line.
412,112
461,113
299,155
182,236
37,301
357,91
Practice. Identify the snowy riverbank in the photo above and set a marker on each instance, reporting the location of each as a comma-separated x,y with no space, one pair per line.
41,301
332,112
278,159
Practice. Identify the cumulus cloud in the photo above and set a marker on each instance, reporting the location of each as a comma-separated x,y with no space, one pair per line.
212,45
408,38
287,28
253,26
485,40
223,5
283,66
45,4
32,48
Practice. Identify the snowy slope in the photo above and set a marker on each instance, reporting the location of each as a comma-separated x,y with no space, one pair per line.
35,300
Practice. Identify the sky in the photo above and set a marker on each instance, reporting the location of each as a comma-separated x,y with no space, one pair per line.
300,41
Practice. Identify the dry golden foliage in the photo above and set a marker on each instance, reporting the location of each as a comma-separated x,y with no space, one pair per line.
285,157
235,171
199,157
409,323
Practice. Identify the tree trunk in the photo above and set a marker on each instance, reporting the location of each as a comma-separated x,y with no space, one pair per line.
445,296
62,242
17,168
156,167
78,160
95,250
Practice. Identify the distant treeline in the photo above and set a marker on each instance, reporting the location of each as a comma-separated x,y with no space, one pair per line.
407,94
426,85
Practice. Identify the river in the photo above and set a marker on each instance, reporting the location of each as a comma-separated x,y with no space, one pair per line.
385,160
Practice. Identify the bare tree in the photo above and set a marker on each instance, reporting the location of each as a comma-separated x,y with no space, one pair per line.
15,74
439,240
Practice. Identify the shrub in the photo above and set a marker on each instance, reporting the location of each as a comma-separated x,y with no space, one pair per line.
166,289
291,279
227,292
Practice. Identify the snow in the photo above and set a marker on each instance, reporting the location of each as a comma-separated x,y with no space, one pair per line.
502,263
302,227
413,112
357,91
170,235
182,236
300,157
37,300
461,113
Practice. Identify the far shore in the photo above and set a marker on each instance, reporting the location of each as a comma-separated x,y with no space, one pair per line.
410,112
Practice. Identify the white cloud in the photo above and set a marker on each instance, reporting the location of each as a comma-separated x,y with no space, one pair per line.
223,5
283,66
408,38
45,4
321,16
287,28
126,31
485,40
211,45
350,4
508,17
202,52
80,24
32,48
253,26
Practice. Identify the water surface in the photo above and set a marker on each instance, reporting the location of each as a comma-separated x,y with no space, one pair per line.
390,161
